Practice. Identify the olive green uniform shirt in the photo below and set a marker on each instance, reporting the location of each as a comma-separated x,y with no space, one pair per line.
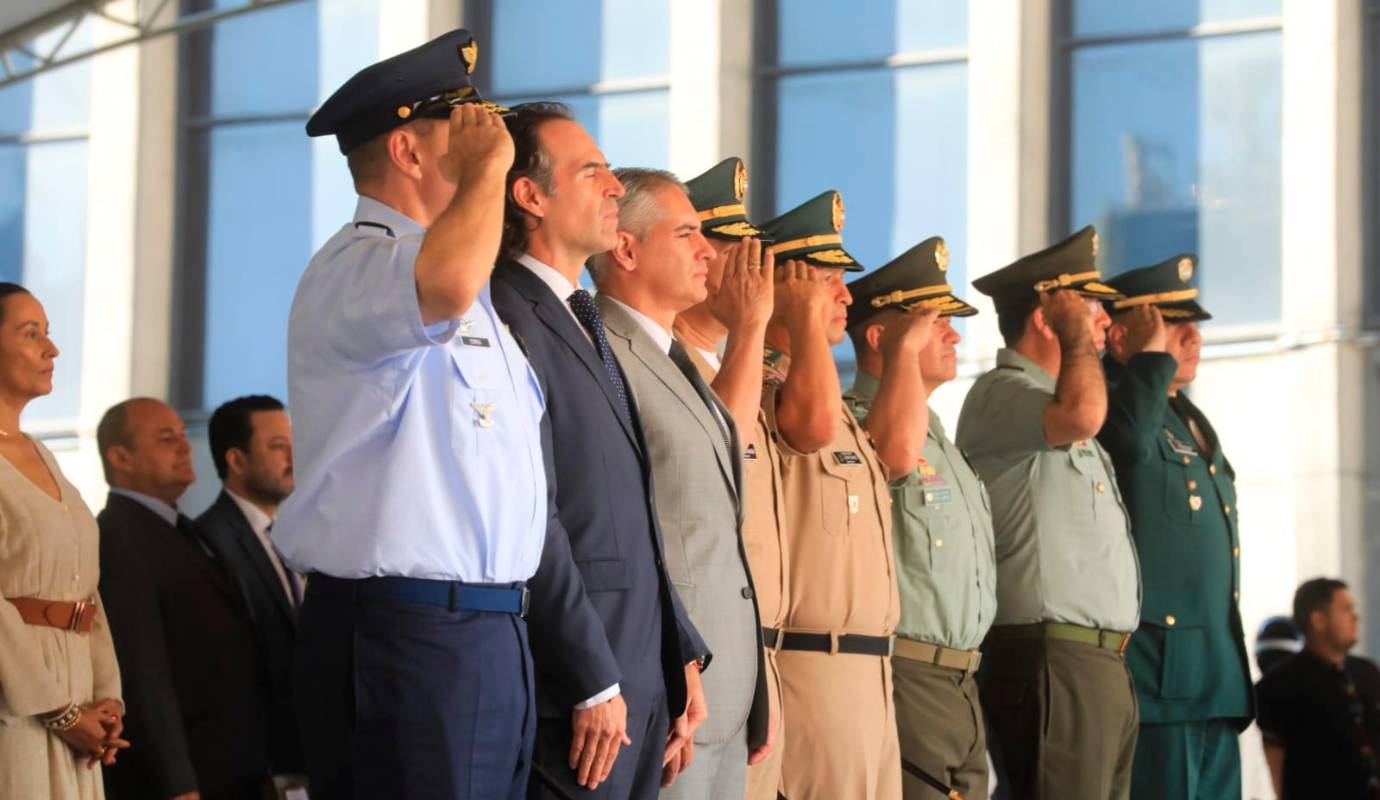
1063,541
941,521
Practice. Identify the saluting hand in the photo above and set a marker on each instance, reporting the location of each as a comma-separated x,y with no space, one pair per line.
1066,314
802,299
599,732
907,335
478,142
1144,331
744,297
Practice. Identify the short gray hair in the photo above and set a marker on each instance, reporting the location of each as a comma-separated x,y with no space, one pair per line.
637,209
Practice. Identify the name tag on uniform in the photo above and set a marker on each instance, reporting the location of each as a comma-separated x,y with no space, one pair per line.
846,457
750,454
937,497
474,341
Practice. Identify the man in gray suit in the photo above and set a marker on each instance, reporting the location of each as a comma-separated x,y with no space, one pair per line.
658,269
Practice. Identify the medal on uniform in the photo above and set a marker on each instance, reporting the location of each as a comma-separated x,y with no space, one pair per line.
485,412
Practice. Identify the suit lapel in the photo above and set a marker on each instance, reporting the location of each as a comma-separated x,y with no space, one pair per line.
249,545
180,542
555,315
708,374
665,370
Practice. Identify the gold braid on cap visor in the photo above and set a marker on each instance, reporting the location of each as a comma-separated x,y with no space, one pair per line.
1162,297
900,296
1066,280
718,212
808,241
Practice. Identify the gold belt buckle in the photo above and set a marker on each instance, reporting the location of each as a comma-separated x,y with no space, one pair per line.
78,609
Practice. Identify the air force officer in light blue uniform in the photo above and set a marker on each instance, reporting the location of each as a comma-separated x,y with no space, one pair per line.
421,502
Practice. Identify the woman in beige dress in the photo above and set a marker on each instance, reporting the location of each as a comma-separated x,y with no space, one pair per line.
60,712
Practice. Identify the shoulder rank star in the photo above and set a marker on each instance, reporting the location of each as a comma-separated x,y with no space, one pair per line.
485,412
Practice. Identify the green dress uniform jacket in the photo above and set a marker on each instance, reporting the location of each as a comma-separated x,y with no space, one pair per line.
1188,657
942,528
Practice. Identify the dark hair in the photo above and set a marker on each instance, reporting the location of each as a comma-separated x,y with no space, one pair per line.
232,425
1314,595
1011,324
7,289
113,431
529,161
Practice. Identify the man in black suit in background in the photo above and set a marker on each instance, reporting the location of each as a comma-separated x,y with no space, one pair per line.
193,681
617,660
251,446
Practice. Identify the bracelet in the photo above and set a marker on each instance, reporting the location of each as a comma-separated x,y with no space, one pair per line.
65,720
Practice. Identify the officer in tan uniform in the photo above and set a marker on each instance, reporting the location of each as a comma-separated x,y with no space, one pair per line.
835,643
942,524
735,315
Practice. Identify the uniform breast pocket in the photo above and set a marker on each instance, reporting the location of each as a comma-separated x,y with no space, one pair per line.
1183,496
839,491
1083,468
478,408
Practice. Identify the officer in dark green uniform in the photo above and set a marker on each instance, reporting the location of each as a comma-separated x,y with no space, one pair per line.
1188,657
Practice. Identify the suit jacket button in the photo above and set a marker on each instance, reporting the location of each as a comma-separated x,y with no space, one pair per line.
747,592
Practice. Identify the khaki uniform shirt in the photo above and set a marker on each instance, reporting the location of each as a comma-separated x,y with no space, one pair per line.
764,512
1063,539
942,521
838,510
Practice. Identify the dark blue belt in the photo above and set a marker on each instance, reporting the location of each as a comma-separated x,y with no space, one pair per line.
453,595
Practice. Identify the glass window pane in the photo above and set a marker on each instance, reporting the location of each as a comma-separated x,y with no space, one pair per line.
56,101
900,163
825,32
264,62
1176,147
43,246
1111,17
542,46
250,280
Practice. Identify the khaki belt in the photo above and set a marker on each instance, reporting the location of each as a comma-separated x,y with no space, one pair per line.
1068,632
965,661
70,615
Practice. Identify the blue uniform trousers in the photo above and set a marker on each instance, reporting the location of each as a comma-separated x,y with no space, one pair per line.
408,701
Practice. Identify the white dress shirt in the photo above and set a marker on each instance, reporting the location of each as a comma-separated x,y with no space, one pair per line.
559,284
261,522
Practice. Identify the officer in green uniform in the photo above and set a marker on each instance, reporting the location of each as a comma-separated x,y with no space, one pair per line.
942,531
1055,685
1189,656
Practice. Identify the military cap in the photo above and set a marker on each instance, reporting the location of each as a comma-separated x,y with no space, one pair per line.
423,82
1165,285
717,196
916,278
1069,264
812,232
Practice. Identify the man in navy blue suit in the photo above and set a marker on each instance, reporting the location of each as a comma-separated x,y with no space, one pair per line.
617,660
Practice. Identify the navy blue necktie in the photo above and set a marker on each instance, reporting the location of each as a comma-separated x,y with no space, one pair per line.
582,303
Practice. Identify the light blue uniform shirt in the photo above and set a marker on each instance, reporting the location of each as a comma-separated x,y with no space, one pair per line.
417,450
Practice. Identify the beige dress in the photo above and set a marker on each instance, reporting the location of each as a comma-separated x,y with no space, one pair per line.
48,549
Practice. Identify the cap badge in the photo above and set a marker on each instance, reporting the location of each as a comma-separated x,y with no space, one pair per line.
740,180
1094,244
1185,269
838,212
941,256
470,55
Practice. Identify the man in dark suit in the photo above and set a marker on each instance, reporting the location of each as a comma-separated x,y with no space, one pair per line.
251,446
617,660
194,687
